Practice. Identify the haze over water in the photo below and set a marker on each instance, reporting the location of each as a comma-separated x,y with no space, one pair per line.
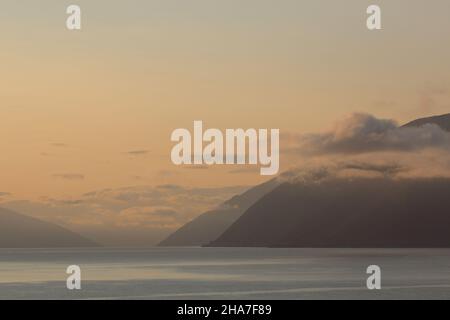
224,273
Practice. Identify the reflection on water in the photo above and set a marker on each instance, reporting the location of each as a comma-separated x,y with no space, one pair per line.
224,273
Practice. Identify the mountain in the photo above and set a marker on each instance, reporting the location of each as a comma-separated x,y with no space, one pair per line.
210,225
19,231
228,223
337,212
442,121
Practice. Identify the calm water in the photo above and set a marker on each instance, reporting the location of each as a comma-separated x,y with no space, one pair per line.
228,273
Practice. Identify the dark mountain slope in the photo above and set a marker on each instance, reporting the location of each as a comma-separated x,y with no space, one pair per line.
347,213
210,225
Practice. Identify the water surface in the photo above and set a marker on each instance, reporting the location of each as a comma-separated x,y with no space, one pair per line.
224,273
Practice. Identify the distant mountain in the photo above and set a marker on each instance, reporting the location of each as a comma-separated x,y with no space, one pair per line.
442,121
358,212
210,225
19,231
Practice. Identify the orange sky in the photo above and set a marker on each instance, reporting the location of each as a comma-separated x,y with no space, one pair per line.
89,110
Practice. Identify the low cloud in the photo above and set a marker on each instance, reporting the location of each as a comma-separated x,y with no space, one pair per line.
155,217
137,152
4,195
245,170
364,133
146,214
196,167
69,176
313,173
386,169
170,187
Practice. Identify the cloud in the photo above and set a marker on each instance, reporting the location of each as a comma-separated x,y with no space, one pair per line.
429,163
196,167
137,152
315,172
166,173
386,169
59,145
245,170
4,195
69,202
170,187
363,133
115,216
69,176
363,145
156,217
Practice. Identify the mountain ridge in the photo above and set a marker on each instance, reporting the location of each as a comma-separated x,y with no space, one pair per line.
21,231
443,121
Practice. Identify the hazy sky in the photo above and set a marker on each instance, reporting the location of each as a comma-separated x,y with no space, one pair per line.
89,110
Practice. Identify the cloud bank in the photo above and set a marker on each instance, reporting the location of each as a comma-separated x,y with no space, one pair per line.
132,216
363,133
363,145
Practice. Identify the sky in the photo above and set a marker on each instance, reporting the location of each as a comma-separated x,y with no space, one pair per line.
94,109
